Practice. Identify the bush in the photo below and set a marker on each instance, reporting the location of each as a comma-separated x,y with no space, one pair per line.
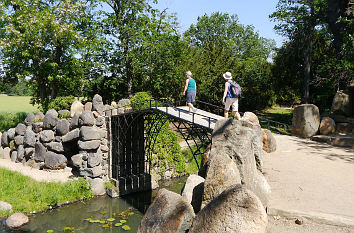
59,103
140,100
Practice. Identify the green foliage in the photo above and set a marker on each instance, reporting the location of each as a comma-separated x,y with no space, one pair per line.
11,120
59,103
141,100
235,48
26,195
47,42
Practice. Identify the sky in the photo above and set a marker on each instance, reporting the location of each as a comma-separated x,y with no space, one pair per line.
251,12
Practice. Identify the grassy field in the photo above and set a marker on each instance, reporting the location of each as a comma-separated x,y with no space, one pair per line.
26,194
13,110
14,104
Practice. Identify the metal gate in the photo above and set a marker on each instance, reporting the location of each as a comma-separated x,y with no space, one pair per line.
128,153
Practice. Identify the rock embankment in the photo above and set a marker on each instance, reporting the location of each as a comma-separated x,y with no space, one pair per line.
220,202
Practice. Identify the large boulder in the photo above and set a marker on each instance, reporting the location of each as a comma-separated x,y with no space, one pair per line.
269,142
341,104
97,187
7,152
89,145
222,172
13,156
168,213
37,127
193,191
39,117
237,209
20,129
234,140
344,128
73,135
89,133
76,107
250,116
77,160
47,136
97,104
94,159
55,146
29,138
91,172
327,126
16,220
100,121
54,161
86,119
63,127
11,134
50,119
29,151
4,140
306,120
30,118
19,140
20,152
88,106
123,103
39,152
74,123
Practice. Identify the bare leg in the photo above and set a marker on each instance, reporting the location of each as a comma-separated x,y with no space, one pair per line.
226,114
191,107
236,115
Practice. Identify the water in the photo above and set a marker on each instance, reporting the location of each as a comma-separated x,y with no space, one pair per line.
109,211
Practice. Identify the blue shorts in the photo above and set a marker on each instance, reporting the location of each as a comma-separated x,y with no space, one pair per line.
190,96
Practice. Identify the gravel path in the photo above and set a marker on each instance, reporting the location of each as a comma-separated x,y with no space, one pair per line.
38,175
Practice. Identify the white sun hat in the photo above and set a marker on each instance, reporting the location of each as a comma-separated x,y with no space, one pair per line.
189,73
227,76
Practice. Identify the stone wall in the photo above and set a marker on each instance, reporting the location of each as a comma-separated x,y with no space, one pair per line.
76,138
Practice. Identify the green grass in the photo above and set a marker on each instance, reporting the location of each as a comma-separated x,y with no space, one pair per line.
278,114
14,104
26,194
283,115
191,165
13,110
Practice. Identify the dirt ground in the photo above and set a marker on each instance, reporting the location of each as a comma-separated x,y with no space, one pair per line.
283,225
310,177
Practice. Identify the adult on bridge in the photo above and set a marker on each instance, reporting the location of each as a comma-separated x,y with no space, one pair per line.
191,89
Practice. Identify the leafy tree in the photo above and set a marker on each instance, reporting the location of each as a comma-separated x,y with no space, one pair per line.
45,41
219,44
143,52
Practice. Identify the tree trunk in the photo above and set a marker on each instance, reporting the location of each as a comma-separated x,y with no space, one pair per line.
129,71
308,53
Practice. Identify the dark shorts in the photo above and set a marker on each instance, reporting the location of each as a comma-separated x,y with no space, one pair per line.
190,96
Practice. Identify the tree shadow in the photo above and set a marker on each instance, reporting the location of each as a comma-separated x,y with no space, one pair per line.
323,149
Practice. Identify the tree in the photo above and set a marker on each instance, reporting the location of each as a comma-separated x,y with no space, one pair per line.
219,43
298,18
44,41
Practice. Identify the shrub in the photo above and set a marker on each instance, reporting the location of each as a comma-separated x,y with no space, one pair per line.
140,100
59,103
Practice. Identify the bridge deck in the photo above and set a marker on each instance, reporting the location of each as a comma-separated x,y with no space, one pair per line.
200,117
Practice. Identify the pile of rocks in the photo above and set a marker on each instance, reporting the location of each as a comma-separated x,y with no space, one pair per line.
336,128
218,202
76,138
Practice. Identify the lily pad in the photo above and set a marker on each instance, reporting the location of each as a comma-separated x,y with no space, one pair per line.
130,214
110,219
94,221
126,227
118,224
123,221
50,231
102,212
105,225
102,221
87,219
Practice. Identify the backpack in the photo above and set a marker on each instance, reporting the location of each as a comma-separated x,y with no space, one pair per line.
236,90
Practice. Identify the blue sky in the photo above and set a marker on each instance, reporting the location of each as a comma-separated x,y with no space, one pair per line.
251,12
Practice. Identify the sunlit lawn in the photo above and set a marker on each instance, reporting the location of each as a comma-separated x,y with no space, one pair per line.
13,110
